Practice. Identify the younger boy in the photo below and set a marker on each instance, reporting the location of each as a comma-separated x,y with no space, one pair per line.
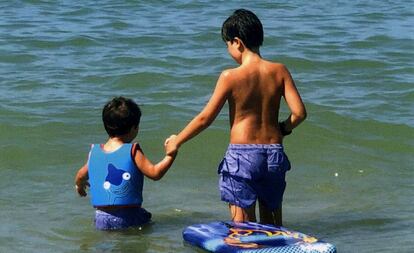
255,164
115,170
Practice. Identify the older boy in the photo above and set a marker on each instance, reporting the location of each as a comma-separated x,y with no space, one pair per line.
255,164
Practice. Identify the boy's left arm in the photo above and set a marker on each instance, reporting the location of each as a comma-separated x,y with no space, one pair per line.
81,180
294,102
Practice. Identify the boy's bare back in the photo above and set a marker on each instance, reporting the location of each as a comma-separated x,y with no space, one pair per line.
256,90
253,91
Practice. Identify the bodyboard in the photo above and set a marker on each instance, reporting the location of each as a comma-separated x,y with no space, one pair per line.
231,237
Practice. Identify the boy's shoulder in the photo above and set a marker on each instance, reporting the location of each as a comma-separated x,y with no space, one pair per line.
275,65
239,71
278,69
230,76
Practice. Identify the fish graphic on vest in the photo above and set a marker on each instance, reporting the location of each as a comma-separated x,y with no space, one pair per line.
117,182
114,178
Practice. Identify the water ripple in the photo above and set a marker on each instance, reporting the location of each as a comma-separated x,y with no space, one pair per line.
60,61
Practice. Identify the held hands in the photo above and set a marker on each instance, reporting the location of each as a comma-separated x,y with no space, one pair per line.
170,145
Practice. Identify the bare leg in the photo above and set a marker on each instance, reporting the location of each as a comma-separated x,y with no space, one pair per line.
270,217
239,214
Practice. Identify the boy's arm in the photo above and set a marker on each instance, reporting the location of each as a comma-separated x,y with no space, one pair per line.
209,113
294,102
81,180
153,171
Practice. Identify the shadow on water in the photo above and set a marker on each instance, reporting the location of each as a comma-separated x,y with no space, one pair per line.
163,234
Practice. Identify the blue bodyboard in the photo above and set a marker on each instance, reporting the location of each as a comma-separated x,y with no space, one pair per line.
230,237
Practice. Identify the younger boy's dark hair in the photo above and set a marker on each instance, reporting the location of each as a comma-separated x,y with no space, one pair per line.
245,25
119,116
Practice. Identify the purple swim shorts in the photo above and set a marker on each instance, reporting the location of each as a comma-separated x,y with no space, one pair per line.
121,218
253,171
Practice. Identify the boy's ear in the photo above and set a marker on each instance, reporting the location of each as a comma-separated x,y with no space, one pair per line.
240,44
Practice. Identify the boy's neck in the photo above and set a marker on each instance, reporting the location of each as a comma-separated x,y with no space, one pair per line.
250,55
255,50
113,144
118,140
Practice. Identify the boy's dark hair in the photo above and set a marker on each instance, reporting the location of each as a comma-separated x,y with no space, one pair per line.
245,25
119,115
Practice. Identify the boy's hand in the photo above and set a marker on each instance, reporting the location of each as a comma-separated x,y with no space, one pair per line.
81,189
170,145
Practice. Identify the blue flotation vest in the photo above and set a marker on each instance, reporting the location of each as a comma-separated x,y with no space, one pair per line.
113,177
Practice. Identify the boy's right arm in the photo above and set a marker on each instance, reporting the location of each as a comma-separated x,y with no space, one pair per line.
209,112
81,180
294,102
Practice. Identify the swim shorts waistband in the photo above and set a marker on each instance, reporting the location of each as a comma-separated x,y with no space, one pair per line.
255,146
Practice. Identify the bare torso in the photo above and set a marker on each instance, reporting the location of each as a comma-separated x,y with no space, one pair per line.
254,101
253,91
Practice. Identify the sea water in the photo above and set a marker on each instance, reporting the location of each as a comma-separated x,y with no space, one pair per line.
352,179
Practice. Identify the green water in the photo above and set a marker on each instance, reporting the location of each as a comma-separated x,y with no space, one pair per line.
352,179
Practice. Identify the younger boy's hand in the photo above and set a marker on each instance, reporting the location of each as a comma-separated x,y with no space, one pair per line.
81,189
170,145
